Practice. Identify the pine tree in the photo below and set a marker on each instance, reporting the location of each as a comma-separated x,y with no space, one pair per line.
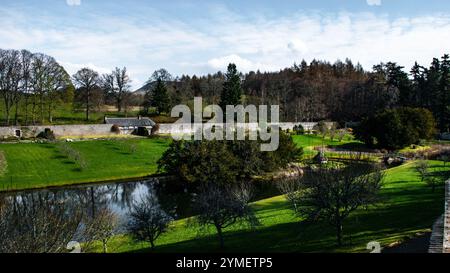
444,95
418,96
161,100
232,90
433,77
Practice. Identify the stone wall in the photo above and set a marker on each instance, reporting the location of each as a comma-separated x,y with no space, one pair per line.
104,130
446,246
189,129
440,236
60,131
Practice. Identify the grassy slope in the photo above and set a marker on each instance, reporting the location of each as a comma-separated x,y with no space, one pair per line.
408,207
40,165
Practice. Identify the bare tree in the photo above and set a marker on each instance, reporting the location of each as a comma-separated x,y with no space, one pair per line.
57,80
148,220
10,76
26,59
222,207
118,84
422,167
86,80
341,134
333,192
37,223
37,78
289,186
101,227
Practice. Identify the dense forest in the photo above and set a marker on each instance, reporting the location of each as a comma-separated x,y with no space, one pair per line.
319,90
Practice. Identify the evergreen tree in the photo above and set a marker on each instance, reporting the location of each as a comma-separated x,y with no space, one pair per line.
432,86
232,90
418,84
161,100
444,95
398,79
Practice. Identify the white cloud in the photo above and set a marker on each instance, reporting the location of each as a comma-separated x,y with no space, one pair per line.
298,46
73,2
374,2
221,62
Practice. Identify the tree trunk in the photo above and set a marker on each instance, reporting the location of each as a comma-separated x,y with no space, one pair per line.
339,230
16,114
152,244
119,105
105,247
87,105
50,113
220,236
7,115
26,109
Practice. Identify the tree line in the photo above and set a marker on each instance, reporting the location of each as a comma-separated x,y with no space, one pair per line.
340,91
319,90
32,85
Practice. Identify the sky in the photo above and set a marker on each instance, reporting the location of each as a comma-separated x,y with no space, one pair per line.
203,36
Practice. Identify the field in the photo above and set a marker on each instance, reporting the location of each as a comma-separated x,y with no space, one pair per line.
41,165
309,142
408,207
36,165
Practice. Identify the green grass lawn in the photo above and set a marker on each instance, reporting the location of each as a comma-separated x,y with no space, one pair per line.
309,142
408,207
42,165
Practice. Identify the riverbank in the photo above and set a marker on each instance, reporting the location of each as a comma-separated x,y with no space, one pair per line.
408,207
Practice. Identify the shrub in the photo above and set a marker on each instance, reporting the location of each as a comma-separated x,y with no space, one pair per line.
3,163
321,128
155,129
142,131
74,155
299,130
47,134
115,129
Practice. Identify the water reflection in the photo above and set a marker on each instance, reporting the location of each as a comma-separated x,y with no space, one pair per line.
42,221
118,197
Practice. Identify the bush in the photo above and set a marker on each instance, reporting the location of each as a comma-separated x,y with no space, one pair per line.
47,134
115,129
74,155
155,129
142,131
299,130
397,128
321,128
3,163
200,161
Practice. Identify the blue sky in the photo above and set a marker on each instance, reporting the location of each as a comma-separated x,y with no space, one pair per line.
200,36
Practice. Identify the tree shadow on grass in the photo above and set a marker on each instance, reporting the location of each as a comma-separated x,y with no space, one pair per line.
397,221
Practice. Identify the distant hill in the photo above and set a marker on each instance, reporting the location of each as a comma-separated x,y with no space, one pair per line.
150,85
144,89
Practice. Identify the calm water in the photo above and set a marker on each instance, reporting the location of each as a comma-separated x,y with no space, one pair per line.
119,197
